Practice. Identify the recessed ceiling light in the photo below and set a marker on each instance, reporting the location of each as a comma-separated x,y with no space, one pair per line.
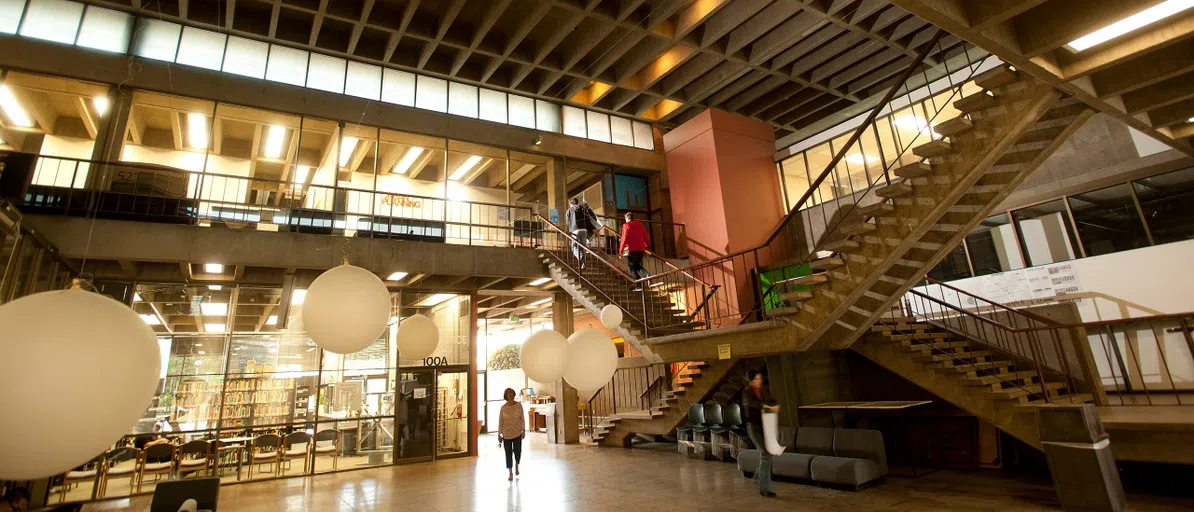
12,109
216,287
272,320
196,131
137,297
213,268
150,319
540,281
347,146
396,276
861,159
213,308
434,299
101,104
202,353
465,167
273,141
297,298
1133,22
541,301
408,159
213,327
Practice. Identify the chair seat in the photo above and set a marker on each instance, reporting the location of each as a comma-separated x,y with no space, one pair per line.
842,470
190,463
264,456
321,450
79,475
158,466
295,452
121,471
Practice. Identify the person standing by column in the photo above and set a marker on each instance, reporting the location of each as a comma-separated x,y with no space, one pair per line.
512,428
635,240
581,220
756,401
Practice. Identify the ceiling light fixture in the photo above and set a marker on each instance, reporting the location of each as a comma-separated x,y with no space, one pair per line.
272,320
137,297
273,141
347,147
396,276
213,268
297,298
861,159
101,104
213,328
12,109
196,131
408,159
213,308
150,319
1133,22
216,287
540,301
434,299
465,167
915,123
539,282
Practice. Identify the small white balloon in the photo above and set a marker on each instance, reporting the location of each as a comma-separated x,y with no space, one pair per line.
592,359
78,369
417,337
611,316
543,356
346,309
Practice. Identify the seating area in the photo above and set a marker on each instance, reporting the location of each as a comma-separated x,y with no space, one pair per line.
852,458
713,431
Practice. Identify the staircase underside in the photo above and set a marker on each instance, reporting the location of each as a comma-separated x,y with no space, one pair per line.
663,420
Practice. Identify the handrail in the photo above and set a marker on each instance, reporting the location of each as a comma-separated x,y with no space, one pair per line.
585,247
661,259
1029,314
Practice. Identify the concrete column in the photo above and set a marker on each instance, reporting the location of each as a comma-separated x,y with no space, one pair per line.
1080,459
557,189
109,139
567,419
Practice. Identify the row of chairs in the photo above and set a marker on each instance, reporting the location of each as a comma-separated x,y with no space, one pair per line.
712,431
202,458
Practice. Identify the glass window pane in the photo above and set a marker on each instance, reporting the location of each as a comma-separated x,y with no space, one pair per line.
201,48
547,116
620,131
795,177
993,247
574,122
1045,233
157,40
105,29
286,65
643,138
10,15
1166,201
431,94
817,158
52,20
1107,220
954,266
598,126
462,100
398,87
326,73
522,111
364,81
245,57
493,106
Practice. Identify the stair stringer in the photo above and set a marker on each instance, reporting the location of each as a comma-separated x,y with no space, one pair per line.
566,283
703,386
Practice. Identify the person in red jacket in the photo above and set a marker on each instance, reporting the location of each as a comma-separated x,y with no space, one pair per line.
636,240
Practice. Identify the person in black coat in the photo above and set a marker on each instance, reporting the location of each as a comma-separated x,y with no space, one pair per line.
756,400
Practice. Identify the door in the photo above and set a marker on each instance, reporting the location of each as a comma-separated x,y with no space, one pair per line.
452,408
416,416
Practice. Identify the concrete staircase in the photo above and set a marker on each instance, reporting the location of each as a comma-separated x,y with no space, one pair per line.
701,381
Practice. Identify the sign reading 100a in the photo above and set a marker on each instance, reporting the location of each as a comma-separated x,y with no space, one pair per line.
435,361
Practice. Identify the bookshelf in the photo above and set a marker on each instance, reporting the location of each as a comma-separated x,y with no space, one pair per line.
254,401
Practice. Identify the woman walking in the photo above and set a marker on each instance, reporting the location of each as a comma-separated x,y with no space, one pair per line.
755,401
512,428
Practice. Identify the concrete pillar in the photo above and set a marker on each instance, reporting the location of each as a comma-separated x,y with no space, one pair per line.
1080,459
109,139
567,415
557,190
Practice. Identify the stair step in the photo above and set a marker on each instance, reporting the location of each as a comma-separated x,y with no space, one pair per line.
782,311
990,380
915,170
995,78
976,102
973,367
954,127
876,209
795,296
811,279
926,347
952,356
900,326
1029,390
921,336
894,190
933,149
857,228
843,245
826,263
1032,406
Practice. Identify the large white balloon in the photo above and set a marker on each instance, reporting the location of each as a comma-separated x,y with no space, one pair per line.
346,309
611,316
417,337
543,356
592,359
78,370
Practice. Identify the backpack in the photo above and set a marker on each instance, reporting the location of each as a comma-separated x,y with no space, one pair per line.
590,218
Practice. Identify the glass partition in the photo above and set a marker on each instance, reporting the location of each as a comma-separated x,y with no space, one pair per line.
1108,220
1045,233
993,246
1164,202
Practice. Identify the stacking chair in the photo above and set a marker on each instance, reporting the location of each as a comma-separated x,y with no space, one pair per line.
706,448
83,474
686,434
114,467
227,455
195,457
265,450
294,447
330,447
731,416
163,455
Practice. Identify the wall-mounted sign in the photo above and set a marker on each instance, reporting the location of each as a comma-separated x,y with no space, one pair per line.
401,201
435,361
723,351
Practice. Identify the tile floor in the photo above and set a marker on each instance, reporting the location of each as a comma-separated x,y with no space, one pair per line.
588,478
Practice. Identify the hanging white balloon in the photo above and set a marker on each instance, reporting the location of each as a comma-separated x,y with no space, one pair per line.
543,356
346,309
592,359
417,337
611,316
78,370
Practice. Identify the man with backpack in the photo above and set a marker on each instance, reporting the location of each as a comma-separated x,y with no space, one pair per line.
581,221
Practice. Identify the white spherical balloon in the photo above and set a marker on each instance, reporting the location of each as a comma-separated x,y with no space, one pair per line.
346,309
592,359
78,370
417,337
611,316
543,356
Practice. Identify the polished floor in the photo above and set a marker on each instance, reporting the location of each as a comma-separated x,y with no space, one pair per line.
588,478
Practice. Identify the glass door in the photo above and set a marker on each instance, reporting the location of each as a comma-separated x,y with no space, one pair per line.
451,413
416,415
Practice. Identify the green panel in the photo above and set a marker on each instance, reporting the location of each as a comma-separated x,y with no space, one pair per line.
771,301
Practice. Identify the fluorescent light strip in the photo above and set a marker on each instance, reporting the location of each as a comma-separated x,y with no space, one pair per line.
539,282
408,159
540,301
197,131
214,328
272,320
435,299
1133,22
213,308
273,141
297,298
347,146
860,159
12,109
101,105
213,268
465,167
396,276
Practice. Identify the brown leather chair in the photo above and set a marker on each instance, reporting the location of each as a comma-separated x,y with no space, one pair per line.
330,447
195,457
266,449
157,460
295,446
